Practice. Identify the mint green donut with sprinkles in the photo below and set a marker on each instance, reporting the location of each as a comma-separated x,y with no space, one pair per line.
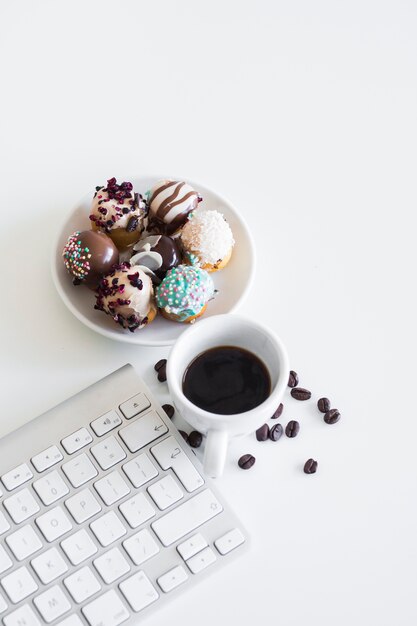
184,292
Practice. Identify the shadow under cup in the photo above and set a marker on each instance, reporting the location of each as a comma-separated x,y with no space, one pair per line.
227,330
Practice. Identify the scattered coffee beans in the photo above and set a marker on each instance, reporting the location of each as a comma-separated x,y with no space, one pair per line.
246,461
161,368
195,439
292,429
310,466
158,365
278,412
323,405
262,434
293,379
169,410
276,432
183,435
300,394
332,416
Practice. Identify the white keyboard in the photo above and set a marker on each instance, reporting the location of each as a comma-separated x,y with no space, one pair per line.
105,512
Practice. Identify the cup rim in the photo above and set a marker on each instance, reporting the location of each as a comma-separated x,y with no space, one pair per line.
276,392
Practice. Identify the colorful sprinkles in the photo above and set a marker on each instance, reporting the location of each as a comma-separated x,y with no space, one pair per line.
77,257
184,291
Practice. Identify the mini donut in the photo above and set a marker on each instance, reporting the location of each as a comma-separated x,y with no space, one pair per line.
126,293
157,253
88,255
119,212
183,294
170,202
207,240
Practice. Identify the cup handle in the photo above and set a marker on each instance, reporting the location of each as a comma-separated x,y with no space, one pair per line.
215,453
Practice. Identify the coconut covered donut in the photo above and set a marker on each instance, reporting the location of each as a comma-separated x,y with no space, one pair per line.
183,294
207,240
126,293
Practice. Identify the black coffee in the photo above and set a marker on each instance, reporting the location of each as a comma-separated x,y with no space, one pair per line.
226,380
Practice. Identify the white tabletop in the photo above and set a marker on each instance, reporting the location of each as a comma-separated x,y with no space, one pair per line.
304,115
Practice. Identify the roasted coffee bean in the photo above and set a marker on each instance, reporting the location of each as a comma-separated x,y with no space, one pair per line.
301,394
195,439
169,410
278,412
292,429
293,379
276,432
310,466
162,374
158,365
246,461
332,416
262,434
323,405
183,435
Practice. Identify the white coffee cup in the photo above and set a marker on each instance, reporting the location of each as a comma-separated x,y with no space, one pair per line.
226,330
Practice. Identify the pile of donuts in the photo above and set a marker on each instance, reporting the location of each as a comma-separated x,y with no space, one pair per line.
149,253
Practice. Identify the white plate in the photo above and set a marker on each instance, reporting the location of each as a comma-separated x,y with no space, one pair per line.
232,283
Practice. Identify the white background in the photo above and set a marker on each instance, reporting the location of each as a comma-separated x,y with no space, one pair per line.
304,114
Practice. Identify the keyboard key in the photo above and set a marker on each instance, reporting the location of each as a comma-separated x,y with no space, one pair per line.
201,560
108,528
172,579
19,585
82,506
50,488
71,620
23,616
187,517
76,441
53,524
5,560
3,604
17,477
108,452
170,454
143,431
134,405
24,542
21,506
229,541
79,547
105,423
138,591
141,546
4,524
112,488
82,585
107,610
79,470
192,546
140,470
165,492
137,510
111,565
52,604
46,459
49,565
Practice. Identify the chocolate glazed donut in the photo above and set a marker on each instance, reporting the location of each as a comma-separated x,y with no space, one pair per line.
158,253
170,203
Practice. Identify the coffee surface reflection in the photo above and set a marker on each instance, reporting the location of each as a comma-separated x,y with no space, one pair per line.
226,380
